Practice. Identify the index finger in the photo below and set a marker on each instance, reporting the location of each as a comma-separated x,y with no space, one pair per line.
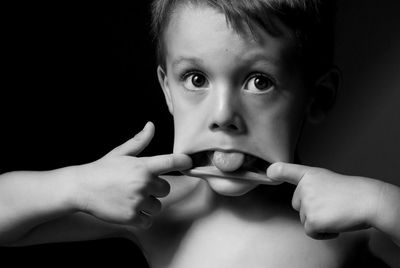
291,173
161,164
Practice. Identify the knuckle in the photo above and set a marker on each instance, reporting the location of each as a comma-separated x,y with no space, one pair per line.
295,203
317,171
140,167
145,222
306,183
140,220
169,161
313,222
306,191
129,216
141,178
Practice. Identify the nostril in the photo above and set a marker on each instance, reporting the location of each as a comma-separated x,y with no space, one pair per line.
228,127
232,127
214,126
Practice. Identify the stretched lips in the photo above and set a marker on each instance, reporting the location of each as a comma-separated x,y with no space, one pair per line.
229,165
210,171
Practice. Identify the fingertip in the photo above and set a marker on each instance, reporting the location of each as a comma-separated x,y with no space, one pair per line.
275,170
185,161
148,130
145,131
149,125
188,158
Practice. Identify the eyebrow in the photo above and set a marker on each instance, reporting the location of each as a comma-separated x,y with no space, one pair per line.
195,61
257,57
252,59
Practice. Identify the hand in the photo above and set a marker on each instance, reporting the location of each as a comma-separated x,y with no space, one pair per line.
329,203
124,189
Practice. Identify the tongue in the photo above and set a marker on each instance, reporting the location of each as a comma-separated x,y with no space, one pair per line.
227,162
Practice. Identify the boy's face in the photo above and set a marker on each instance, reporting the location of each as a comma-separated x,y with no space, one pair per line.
231,95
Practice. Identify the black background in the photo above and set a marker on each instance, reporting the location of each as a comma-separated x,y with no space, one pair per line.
78,79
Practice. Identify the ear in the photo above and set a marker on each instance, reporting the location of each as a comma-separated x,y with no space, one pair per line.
324,95
163,80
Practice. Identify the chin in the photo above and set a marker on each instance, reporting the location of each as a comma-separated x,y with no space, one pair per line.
230,187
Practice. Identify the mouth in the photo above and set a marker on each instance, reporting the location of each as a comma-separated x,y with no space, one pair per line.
230,165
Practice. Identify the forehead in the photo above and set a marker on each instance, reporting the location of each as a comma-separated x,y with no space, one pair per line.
203,32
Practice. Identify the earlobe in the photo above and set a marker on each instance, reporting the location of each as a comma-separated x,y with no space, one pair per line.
324,95
163,80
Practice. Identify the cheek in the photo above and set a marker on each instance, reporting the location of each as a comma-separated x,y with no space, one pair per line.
188,106
189,118
184,110
279,111
274,128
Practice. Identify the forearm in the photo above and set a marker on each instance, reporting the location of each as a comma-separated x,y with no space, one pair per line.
387,216
74,227
28,199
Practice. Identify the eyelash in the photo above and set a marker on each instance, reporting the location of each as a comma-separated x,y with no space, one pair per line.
185,74
255,74
259,74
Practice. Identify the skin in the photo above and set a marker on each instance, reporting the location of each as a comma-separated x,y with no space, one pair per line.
225,113
228,112
329,203
86,201
198,224
132,195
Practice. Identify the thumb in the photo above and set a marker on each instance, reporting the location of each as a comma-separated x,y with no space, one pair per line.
137,144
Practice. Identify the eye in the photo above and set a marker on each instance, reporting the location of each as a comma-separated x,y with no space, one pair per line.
195,81
259,83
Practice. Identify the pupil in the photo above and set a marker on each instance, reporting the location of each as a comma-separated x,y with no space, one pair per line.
261,83
198,80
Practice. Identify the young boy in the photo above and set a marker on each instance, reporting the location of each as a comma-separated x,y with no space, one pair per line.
240,78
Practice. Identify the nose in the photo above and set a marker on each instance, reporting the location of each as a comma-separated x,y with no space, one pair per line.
227,113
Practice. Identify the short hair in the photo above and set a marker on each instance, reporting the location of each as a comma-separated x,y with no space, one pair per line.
311,23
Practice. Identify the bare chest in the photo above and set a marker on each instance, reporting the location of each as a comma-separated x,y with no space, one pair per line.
225,239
